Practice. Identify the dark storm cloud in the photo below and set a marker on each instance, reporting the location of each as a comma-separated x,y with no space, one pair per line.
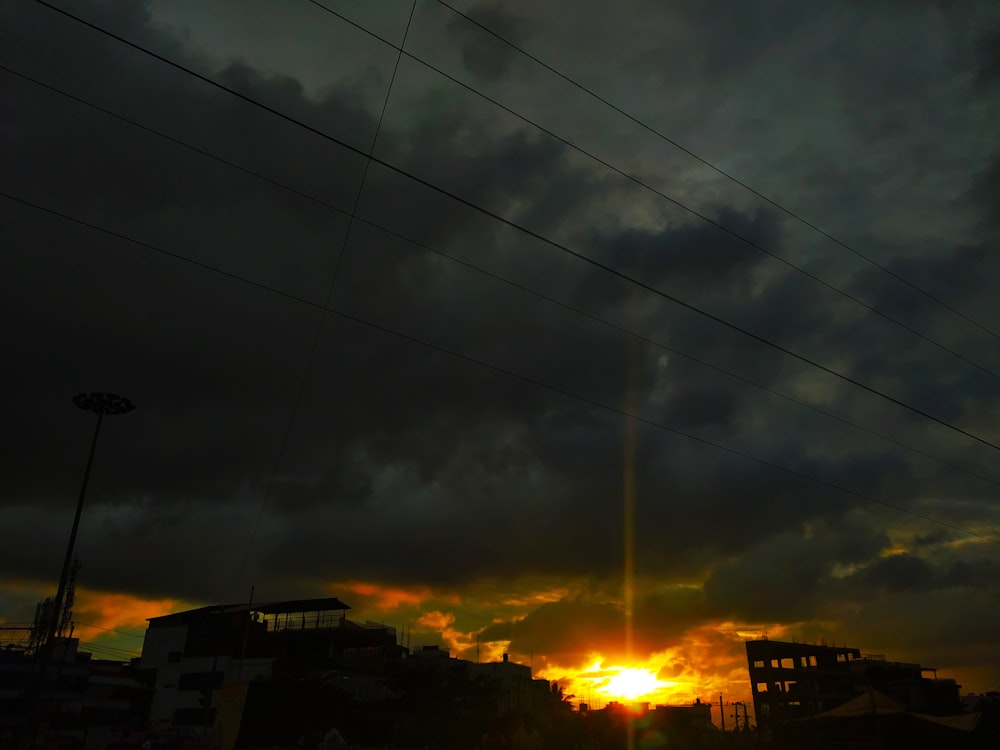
927,377
933,570
975,574
686,261
900,573
570,630
988,70
907,605
985,190
935,536
701,405
202,355
783,576
462,153
560,628
948,607
484,55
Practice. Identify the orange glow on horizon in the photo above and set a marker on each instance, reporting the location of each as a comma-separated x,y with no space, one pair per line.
701,663
707,660
598,684
383,597
112,610
112,625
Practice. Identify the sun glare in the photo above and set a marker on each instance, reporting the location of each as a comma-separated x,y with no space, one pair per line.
631,684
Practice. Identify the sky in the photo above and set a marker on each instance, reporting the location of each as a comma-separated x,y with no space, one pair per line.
606,385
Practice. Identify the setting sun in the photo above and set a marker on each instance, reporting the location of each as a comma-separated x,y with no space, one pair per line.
703,668
632,683
598,684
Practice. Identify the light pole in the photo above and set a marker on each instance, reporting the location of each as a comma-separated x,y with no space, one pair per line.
100,404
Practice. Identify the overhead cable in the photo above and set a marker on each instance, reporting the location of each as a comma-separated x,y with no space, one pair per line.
525,230
680,204
502,370
718,170
502,279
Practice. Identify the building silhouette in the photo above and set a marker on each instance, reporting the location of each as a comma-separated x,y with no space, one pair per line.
279,673
75,695
196,652
795,681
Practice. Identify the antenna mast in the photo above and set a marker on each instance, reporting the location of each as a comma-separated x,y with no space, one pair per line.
66,616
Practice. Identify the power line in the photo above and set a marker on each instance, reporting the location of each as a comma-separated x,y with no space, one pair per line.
525,230
510,373
106,647
112,650
506,281
329,298
694,212
109,630
718,170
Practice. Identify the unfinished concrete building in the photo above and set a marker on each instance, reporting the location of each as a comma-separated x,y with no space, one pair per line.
798,680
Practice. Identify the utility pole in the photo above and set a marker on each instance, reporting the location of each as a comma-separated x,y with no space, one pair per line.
246,635
736,715
722,713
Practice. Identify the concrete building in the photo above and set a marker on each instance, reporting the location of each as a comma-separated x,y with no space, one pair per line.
798,680
194,653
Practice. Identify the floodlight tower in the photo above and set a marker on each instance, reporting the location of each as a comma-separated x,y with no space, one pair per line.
100,404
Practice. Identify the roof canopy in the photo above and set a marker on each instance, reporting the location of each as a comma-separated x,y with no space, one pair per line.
874,702
301,605
327,604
